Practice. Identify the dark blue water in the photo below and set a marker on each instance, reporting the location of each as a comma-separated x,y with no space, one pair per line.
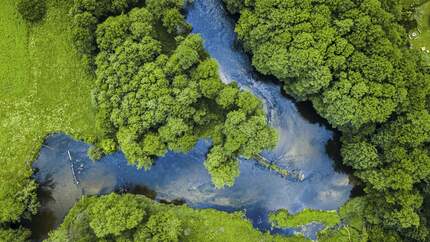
182,176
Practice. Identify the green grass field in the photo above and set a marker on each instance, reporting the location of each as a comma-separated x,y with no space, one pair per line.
422,39
43,89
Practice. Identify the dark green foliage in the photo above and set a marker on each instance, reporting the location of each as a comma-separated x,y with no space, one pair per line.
14,235
149,102
87,15
114,214
234,6
164,226
13,191
353,228
360,155
352,59
95,153
175,22
32,10
222,168
342,56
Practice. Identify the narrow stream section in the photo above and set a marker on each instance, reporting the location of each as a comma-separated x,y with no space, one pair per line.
66,173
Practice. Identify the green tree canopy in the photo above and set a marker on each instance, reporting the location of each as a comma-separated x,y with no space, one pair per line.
353,61
32,10
345,56
150,101
114,214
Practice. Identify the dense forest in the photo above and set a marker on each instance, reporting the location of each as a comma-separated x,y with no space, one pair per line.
352,59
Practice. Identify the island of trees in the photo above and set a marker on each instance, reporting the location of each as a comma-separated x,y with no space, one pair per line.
156,89
352,59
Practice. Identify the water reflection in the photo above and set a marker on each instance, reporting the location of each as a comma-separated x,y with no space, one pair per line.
183,178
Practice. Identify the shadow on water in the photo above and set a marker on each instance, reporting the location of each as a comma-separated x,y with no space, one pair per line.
137,189
308,112
333,147
42,223
176,202
147,192
44,190
45,219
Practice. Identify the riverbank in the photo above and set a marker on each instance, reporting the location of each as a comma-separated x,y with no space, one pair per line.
173,223
43,89
420,37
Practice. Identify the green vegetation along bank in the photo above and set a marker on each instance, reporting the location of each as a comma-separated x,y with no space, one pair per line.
353,60
345,225
43,89
283,219
137,218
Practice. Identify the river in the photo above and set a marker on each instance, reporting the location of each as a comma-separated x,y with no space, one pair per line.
66,173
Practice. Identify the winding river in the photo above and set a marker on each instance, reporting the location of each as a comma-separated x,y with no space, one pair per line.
66,173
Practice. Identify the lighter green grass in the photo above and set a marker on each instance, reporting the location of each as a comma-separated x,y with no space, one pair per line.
422,40
43,89
283,219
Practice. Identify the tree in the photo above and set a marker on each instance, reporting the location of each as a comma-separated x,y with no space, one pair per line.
360,155
32,10
17,193
222,167
95,153
234,6
14,235
175,22
114,214
164,227
353,61
340,55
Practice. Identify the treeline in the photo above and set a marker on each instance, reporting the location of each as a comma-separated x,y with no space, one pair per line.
156,88
353,61
137,218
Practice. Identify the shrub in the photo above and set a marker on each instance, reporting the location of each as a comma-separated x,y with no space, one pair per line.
95,153
32,10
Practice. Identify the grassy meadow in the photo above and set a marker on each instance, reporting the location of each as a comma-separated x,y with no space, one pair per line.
422,40
44,88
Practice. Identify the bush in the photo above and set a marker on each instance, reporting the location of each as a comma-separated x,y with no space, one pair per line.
32,10
108,146
95,153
